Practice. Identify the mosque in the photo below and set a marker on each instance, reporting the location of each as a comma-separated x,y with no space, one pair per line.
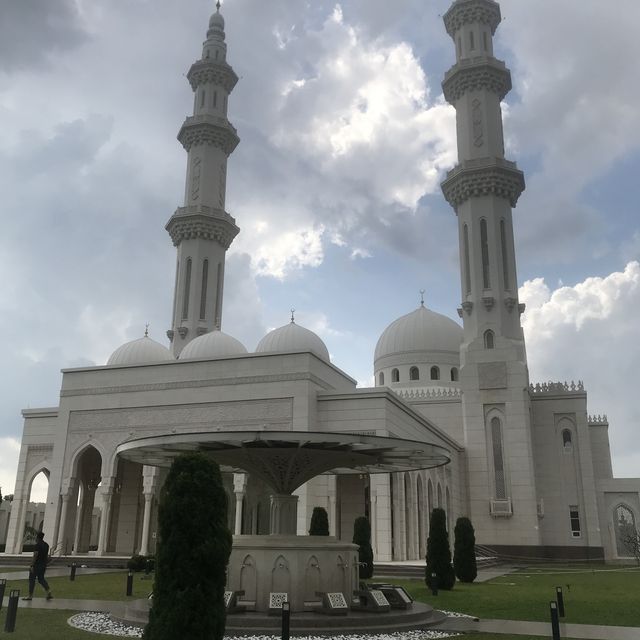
524,461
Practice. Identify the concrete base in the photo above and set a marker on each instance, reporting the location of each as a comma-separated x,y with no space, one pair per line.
297,565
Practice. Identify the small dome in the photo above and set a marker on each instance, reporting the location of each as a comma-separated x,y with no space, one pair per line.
216,21
214,344
140,351
419,331
293,337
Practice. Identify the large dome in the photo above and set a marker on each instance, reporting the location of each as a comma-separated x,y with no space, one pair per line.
140,351
214,344
293,337
421,330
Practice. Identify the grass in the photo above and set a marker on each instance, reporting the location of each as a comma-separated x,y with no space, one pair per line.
601,596
51,624
97,586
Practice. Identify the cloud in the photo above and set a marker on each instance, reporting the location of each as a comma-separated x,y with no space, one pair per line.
9,450
589,331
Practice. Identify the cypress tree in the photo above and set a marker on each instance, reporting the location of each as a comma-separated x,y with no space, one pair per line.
192,555
438,552
362,537
319,525
464,551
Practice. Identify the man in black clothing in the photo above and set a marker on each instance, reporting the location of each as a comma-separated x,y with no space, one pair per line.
38,567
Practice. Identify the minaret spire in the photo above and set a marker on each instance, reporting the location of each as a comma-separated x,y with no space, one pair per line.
482,189
202,230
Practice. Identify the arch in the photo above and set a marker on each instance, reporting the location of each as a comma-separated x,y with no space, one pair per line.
484,250
395,375
92,444
203,292
280,576
489,339
381,379
414,373
455,374
312,578
626,531
498,458
187,290
505,257
248,581
567,441
435,373
422,537
439,496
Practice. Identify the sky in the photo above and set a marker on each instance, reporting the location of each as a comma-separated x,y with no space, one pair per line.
345,137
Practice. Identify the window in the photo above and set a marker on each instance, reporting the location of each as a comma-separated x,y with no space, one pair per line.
454,374
498,459
215,99
467,267
574,519
203,293
218,312
566,440
414,373
505,260
395,375
187,288
203,94
381,379
472,40
485,41
484,246
435,373
626,532
489,339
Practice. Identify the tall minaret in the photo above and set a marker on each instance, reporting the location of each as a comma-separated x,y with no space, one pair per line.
201,229
482,189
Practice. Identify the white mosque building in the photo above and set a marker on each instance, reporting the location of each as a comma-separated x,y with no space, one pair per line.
527,463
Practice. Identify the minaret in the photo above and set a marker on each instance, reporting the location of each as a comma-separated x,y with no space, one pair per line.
482,189
201,230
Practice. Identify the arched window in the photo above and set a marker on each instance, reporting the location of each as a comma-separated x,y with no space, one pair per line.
203,95
505,257
215,99
414,373
381,379
472,40
626,531
435,373
454,374
395,375
485,40
484,246
203,293
498,459
218,311
566,440
489,339
187,289
467,264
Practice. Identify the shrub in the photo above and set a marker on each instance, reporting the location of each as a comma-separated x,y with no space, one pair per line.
362,537
319,522
139,563
192,554
439,553
464,551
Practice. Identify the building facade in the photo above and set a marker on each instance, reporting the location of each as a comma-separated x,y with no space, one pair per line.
527,463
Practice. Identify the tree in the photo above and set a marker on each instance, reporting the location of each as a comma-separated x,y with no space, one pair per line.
439,553
319,525
192,555
464,551
362,537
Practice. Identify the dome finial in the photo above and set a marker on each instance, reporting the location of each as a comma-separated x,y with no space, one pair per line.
218,5
146,330
293,319
422,292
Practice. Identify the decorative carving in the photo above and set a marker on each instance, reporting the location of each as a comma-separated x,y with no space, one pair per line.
556,387
471,179
170,334
510,303
222,184
212,72
488,302
493,375
200,331
196,168
208,129
183,332
202,222
428,394
467,307
482,74
459,310
476,119
472,12
598,420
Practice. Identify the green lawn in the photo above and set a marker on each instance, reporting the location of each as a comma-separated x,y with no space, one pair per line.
603,596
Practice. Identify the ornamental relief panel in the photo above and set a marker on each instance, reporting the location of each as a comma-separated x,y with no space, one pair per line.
477,125
236,416
37,454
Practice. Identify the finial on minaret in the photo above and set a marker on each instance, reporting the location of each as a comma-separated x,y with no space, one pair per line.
293,319
422,292
218,5
146,330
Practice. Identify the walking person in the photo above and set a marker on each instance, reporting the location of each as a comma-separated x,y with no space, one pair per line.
39,566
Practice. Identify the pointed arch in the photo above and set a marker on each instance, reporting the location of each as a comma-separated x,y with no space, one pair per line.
422,536
440,503
626,530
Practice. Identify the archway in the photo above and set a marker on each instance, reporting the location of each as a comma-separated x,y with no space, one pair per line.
626,531
88,474
35,507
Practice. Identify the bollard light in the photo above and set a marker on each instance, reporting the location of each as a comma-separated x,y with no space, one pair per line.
434,584
560,601
72,575
286,616
3,586
555,621
130,583
12,611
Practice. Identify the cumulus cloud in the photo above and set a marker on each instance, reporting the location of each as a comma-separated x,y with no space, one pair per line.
9,450
589,331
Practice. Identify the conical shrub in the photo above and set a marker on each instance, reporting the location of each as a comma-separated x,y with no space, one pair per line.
319,525
362,537
464,551
439,553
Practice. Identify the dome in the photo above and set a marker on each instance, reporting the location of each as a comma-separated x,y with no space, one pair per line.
140,351
216,21
214,344
293,337
419,331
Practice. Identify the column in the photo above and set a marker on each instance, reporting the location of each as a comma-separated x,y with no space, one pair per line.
146,521
107,496
240,490
284,514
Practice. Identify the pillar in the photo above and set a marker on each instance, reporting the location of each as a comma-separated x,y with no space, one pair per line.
284,514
